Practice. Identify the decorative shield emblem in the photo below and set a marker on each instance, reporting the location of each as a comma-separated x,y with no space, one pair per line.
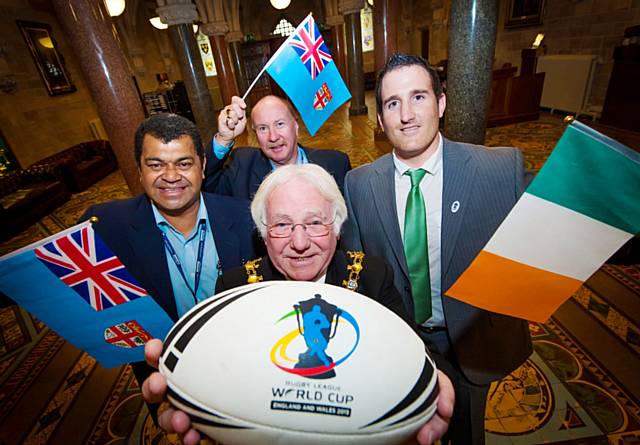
204,46
126,335
322,97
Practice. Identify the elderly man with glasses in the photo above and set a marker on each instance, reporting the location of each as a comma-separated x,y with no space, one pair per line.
299,212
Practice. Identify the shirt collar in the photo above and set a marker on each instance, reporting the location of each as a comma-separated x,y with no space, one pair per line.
164,225
431,165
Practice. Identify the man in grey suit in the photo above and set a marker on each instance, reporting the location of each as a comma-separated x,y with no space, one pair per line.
462,194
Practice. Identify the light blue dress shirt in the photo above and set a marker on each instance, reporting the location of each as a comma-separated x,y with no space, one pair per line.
187,251
220,151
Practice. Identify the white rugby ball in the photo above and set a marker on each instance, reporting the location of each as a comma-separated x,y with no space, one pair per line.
299,363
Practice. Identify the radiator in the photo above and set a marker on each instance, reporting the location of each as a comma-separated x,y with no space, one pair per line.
567,81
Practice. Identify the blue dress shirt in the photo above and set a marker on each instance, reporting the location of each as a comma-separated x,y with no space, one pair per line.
186,249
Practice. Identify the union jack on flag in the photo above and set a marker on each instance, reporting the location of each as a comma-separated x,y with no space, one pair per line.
310,47
83,262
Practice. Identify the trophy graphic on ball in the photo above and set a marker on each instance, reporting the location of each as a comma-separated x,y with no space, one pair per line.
317,318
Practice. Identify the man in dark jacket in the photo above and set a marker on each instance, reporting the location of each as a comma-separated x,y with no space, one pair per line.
240,172
299,212
173,239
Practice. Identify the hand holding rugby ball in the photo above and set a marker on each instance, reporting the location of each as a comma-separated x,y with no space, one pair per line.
299,363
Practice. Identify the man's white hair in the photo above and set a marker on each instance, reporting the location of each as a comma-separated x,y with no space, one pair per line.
315,176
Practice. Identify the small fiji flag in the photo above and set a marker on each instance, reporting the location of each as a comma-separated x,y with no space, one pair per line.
73,283
305,70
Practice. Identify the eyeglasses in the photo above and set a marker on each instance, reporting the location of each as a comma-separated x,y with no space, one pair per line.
313,228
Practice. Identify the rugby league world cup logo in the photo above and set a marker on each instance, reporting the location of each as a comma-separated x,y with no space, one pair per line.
317,324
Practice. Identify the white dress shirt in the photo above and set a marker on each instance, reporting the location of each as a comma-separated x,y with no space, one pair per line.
431,188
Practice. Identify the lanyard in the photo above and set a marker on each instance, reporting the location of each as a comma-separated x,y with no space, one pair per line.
202,228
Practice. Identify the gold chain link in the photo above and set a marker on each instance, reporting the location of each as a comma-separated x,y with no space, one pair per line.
251,267
354,269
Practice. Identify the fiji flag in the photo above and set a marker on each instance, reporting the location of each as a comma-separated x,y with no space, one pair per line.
304,69
74,284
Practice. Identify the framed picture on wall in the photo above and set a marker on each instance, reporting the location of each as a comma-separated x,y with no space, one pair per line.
48,60
523,13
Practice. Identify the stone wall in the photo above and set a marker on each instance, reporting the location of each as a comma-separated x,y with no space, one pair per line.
35,124
574,27
432,14
570,27
152,53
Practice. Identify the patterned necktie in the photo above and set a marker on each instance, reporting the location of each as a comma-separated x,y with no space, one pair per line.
416,249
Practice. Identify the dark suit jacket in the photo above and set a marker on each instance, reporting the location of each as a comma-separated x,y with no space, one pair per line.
376,279
241,172
129,229
486,183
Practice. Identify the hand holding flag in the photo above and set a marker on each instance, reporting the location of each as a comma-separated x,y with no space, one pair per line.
305,70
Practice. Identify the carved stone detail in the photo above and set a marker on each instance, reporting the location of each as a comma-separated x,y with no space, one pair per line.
214,28
178,14
334,20
350,6
234,36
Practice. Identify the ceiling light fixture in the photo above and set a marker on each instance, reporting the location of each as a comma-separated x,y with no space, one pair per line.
157,23
280,4
114,7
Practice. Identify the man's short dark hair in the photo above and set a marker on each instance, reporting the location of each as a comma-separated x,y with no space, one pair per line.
167,127
400,60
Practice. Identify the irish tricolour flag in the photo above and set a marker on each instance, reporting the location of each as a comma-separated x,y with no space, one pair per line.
580,209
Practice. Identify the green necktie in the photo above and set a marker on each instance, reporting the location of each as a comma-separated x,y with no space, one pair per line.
416,248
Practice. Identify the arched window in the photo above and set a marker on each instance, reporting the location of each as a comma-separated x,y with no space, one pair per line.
284,28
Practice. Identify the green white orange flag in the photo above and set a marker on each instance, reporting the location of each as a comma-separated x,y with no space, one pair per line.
579,210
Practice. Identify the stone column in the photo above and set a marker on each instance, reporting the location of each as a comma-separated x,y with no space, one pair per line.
180,15
472,38
385,31
226,81
89,31
235,39
338,46
351,10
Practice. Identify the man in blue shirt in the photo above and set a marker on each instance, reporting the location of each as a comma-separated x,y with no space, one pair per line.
240,172
174,239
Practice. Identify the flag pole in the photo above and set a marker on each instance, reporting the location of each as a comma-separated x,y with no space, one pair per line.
266,65
246,93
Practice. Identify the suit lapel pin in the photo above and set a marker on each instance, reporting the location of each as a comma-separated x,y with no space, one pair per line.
455,206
